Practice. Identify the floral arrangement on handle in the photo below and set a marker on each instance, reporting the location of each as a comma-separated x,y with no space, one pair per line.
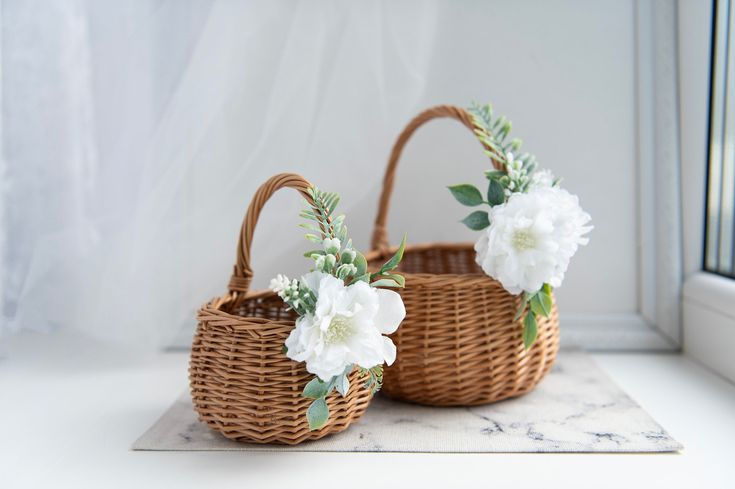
533,226
343,315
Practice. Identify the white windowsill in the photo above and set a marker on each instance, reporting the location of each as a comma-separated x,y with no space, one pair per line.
71,411
709,321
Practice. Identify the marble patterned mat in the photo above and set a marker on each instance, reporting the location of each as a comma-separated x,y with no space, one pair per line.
577,408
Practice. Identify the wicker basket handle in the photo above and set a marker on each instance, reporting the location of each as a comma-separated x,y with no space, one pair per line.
380,232
243,273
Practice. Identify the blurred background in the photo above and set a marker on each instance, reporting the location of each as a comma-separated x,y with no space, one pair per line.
135,133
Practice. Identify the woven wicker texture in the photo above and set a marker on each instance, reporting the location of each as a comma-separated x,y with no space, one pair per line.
241,383
458,345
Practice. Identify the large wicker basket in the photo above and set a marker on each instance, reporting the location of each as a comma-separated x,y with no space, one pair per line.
458,345
242,384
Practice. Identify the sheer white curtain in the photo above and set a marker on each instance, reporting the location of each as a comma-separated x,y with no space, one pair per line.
135,132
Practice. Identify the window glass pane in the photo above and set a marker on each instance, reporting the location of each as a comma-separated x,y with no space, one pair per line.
720,245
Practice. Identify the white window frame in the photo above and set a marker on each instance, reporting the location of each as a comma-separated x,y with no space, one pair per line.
656,325
708,301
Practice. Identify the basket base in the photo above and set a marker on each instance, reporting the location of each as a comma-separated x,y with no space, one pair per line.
458,395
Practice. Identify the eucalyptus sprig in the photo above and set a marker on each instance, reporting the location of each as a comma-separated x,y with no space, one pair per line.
493,133
318,390
513,175
374,378
510,174
336,257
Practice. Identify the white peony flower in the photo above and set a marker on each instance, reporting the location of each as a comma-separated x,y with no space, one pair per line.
346,328
531,239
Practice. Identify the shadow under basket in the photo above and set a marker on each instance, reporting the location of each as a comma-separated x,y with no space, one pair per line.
242,384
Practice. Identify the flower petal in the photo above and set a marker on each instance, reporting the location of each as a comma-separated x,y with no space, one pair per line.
389,350
313,280
391,311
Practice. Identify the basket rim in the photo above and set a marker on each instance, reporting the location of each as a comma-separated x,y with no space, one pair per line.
464,277
215,305
421,247
244,323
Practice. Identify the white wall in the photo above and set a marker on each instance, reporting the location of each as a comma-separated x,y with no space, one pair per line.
194,104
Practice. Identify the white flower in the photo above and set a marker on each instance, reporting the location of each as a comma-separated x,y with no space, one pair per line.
331,245
346,328
531,239
542,178
280,284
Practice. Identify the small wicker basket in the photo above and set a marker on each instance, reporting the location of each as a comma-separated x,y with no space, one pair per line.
458,345
241,382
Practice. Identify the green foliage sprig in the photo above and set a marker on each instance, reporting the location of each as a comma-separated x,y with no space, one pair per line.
514,174
538,304
374,378
511,174
339,258
318,412
298,296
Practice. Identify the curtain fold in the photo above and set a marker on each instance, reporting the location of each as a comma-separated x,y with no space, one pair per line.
135,132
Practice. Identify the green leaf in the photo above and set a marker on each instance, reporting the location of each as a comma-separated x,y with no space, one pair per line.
314,238
522,307
541,303
386,282
466,194
360,263
495,193
399,279
495,174
309,227
317,414
284,350
529,330
313,252
309,215
477,221
342,385
503,133
395,259
316,389
365,277
330,202
537,307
